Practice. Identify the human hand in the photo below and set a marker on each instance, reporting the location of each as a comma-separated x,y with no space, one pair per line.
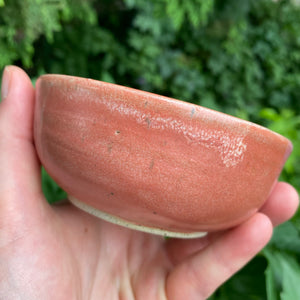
58,252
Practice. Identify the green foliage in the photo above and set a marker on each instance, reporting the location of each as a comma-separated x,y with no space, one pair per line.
51,190
240,57
287,123
286,238
283,271
248,284
283,276
196,12
22,22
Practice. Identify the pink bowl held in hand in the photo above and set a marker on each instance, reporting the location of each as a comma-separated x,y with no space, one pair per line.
150,162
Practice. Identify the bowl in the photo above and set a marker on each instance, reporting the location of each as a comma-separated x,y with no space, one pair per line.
150,162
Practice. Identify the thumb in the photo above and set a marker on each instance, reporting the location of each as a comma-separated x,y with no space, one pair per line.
20,170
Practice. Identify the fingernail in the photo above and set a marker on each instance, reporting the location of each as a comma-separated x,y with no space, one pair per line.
6,78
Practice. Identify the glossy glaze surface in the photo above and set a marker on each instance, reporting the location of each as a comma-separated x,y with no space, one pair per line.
153,160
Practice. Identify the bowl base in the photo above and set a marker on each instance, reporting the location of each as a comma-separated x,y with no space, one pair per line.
119,221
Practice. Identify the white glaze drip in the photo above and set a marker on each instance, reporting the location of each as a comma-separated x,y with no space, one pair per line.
230,148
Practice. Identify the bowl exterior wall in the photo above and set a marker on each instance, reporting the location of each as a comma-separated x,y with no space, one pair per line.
152,160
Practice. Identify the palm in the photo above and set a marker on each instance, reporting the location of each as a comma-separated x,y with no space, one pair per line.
66,254
113,262
62,253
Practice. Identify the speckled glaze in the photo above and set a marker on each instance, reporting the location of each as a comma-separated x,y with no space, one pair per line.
159,164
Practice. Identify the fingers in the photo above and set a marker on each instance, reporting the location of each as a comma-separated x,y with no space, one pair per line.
20,171
281,204
201,274
179,249
17,103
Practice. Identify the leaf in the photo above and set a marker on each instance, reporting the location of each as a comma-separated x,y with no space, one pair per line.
2,3
176,12
291,280
269,114
130,3
270,285
282,275
286,237
246,284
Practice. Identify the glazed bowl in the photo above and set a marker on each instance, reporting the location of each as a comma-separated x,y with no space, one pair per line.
150,162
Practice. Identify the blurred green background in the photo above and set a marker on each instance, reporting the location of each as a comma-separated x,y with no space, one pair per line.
239,57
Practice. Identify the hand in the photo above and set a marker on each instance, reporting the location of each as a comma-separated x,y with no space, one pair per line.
58,252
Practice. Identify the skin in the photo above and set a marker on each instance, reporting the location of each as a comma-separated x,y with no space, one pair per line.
59,252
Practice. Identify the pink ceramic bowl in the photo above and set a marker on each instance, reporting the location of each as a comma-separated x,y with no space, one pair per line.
153,163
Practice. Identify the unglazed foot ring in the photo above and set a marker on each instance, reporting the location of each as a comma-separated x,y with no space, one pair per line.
119,221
